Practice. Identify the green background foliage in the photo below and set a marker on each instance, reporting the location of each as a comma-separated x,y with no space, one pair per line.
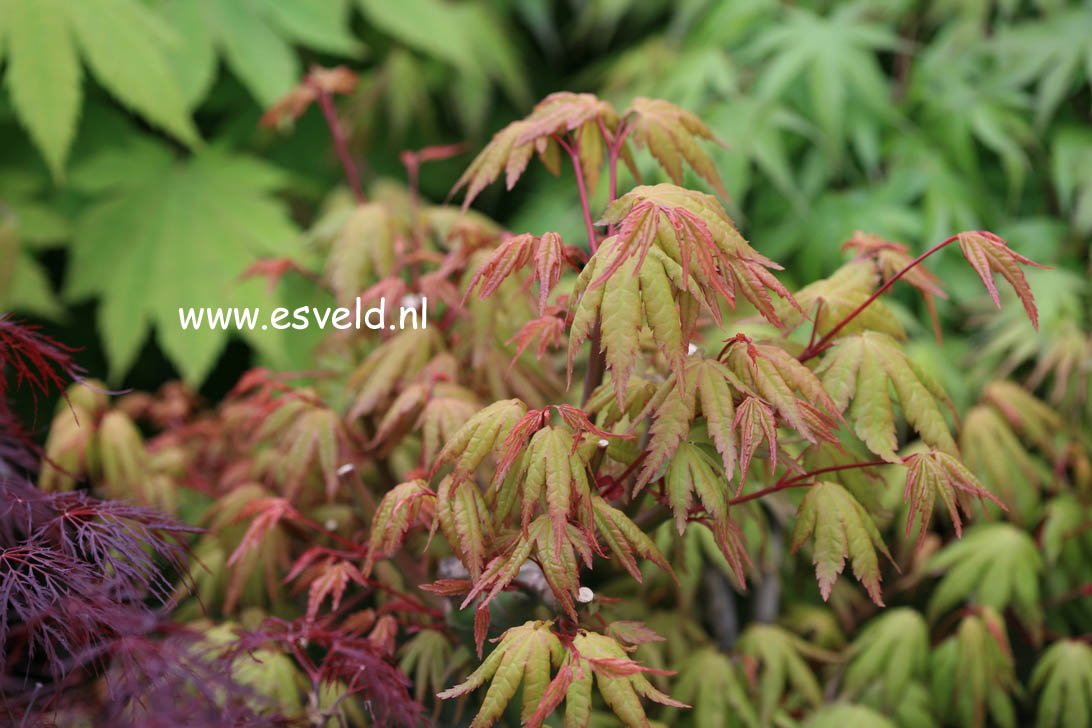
905,119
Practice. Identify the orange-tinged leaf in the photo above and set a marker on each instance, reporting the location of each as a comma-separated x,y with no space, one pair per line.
482,435
987,254
671,135
407,504
863,369
932,474
512,147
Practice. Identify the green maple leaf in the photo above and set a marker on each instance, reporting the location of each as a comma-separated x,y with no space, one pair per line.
892,650
255,39
780,657
996,564
24,285
717,688
964,103
842,528
834,57
1071,160
1063,676
179,234
866,366
847,714
121,41
1055,51
972,673
524,655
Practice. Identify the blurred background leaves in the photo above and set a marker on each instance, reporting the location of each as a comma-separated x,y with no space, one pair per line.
135,177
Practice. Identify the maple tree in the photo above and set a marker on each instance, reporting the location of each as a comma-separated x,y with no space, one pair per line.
524,529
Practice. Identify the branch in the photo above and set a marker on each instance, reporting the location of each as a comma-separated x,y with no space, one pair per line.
327,105
803,479
824,343
581,186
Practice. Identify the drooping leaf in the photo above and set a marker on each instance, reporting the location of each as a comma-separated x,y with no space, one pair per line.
694,232
717,688
524,655
931,474
842,528
407,504
779,655
988,253
863,368
512,147
972,673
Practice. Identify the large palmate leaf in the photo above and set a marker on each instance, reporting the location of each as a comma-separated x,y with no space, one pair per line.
254,38
863,369
834,58
178,235
121,41
842,527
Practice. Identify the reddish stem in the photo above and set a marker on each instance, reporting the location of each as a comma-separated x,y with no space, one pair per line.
835,468
581,186
802,480
824,343
326,103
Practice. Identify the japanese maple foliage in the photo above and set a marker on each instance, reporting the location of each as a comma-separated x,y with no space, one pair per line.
508,515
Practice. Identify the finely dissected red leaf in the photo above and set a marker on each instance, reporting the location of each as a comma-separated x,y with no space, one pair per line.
988,253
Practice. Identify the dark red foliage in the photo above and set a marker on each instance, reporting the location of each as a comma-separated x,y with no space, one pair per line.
78,577
330,653
41,363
